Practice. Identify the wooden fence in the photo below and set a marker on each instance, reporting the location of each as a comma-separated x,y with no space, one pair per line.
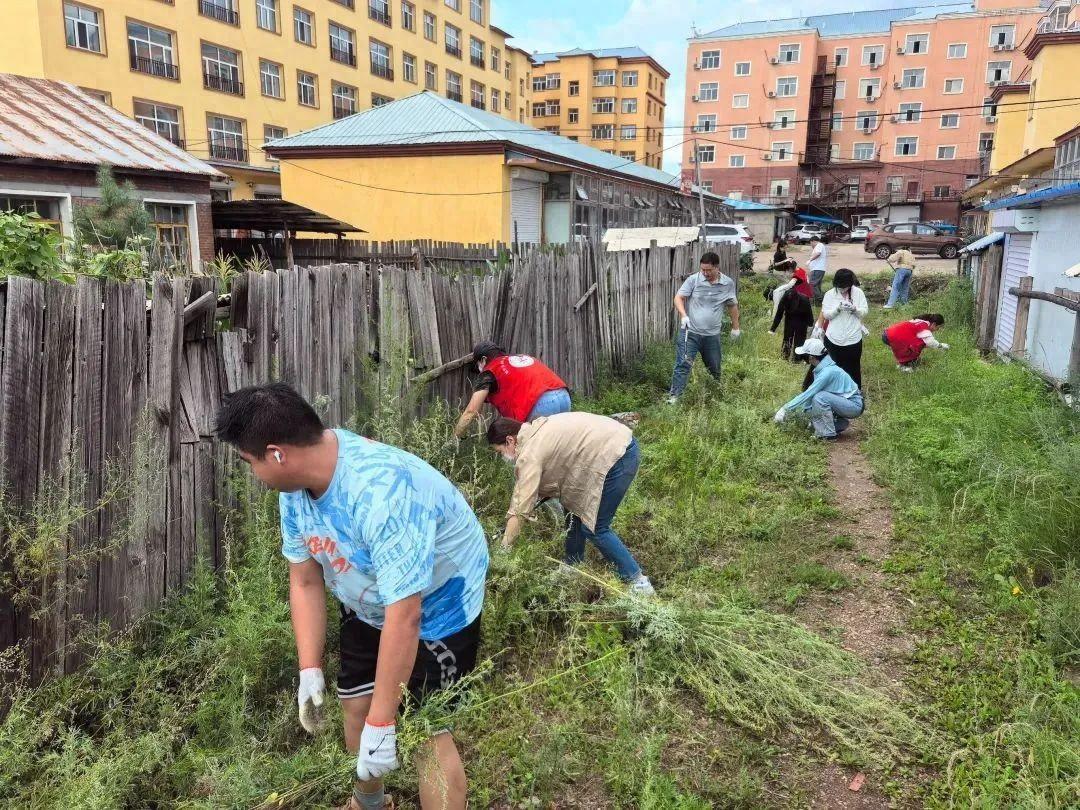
94,380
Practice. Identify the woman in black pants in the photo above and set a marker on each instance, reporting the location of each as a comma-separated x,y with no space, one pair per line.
844,308
797,313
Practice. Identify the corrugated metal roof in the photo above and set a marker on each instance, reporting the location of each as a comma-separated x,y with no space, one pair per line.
631,52
749,205
48,120
428,118
847,23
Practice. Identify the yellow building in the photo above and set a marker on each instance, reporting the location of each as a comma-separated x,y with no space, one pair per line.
611,99
220,77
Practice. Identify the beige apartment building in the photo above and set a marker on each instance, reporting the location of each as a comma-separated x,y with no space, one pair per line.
611,99
888,112
221,77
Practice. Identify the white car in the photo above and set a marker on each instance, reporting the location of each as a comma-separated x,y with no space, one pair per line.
804,233
859,233
714,234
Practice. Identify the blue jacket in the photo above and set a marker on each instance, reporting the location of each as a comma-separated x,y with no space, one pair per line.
828,377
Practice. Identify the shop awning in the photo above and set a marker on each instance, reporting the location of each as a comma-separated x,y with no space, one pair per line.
822,220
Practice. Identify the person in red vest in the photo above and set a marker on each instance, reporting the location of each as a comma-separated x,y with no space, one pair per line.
907,339
518,386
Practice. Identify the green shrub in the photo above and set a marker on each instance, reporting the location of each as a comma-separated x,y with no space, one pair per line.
29,247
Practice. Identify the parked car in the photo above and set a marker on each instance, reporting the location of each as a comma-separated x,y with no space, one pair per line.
859,233
884,240
736,233
804,233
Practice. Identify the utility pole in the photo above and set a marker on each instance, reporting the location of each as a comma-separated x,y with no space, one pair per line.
701,191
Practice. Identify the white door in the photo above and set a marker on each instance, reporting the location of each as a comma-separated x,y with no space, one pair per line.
526,203
1014,267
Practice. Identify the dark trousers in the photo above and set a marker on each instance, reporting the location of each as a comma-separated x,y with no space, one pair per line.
849,358
795,330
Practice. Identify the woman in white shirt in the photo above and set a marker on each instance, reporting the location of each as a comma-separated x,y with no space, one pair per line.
844,307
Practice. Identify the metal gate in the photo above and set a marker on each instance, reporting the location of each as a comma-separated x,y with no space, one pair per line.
1014,267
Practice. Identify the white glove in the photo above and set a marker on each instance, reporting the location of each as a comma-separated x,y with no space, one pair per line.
685,323
772,331
781,415
736,334
944,345
378,752
310,699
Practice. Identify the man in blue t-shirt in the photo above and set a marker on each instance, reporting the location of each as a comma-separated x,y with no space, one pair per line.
402,551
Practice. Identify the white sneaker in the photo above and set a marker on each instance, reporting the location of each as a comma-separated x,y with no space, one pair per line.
906,369
642,587
672,400
886,307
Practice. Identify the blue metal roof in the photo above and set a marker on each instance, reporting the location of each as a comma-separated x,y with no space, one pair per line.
822,220
852,22
1035,198
631,52
428,118
749,205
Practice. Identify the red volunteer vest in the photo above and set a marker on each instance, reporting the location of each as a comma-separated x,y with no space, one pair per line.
522,380
904,340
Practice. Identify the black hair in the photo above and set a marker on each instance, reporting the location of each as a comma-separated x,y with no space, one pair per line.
710,258
932,317
487,349
501,428
253,418
844,278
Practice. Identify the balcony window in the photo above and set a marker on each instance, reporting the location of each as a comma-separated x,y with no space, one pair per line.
306,93
431,76
381,60
986,142
628,132
603,78
221,10
379,11
476,52
303,26
82,27
408,67
603,106
221,69
477,92
603,132
629,106
342,44
453,85
226,138
476,11
998,71
270,79
906,147
710,60
429,26
453,40
266,15
151,51
408,16
344,100
160,118
862,151
1002,36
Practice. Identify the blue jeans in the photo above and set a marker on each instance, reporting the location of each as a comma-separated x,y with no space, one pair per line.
550,403
687,346
901,287
617,482
830,413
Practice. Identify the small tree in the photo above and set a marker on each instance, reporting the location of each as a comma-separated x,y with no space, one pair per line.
117,218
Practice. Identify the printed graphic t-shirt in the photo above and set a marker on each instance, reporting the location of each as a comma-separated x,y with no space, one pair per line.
390,526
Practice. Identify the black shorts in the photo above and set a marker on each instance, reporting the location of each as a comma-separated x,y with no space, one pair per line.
438,663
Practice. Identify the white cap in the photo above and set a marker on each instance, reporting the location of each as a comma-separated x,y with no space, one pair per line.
812,347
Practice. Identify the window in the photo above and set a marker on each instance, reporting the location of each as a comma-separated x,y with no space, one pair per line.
957,50
787,86
789,53
496,58
862,151
834,151
408,16
303,26
866,119
273,133
784,119
628,132
221,69
429,26
408,67
506,101
780,188
160,118
869,89
496,99
840,91
266,14
306,93
477,92
629,78
476,52
840,56
379,11
907,146
705,123
431,76
1067,158
603,78
221,10
942,191
342,44
946,153
170,226
151,51
710,60
736,161
476,11
48,208
998,71
381,59
742,68
603,132
781,150
453,85
378,100
737,133
454,4
82,27
986,141
708,184
954,86
573,89
910,113
914,78
572,115
452,37
708,91
873,54
628,155
916,43
344,99
740,101
270,79
989,108
603,105
629,106
706,154
950,121
1002,36
226,138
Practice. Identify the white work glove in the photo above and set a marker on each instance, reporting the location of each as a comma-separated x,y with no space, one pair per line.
310,698
781,415
685,323
378,752
736,334
944,345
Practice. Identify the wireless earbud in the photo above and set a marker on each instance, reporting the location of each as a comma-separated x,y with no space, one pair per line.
277,455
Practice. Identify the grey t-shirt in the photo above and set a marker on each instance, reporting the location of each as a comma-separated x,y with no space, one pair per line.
706,303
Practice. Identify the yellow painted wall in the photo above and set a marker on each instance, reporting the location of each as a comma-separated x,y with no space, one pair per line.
457,214
1053,75
1009,133
20,39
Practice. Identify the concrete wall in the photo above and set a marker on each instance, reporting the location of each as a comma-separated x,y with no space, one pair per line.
1050,327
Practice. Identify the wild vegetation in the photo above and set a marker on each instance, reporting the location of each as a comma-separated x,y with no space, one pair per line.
713,695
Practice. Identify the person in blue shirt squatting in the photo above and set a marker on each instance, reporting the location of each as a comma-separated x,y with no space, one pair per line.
404,554
833,398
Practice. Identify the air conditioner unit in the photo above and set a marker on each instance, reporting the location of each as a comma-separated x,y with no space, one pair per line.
694,98
771,94
774,60
997,82
900,50
897,85
1003,47
875,65
867,130
697,65
767,156
991,119
894,119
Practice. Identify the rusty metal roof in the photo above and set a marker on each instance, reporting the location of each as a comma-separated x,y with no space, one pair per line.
47,120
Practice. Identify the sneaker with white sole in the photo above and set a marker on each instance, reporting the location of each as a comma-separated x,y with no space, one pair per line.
642,587
907,369
671,400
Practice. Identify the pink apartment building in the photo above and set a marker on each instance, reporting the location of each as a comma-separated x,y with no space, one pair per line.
885,112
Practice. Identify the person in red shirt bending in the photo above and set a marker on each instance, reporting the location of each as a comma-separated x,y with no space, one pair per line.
907,339
518,386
